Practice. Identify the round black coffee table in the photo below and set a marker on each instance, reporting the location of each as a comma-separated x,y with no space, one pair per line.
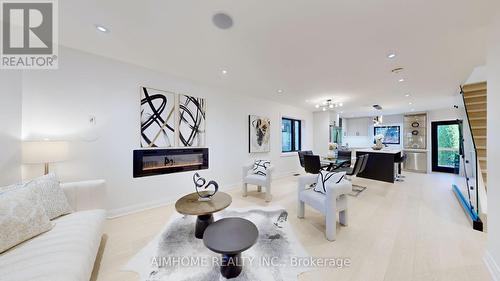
230,237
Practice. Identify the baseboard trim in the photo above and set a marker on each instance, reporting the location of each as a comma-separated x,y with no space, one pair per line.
136,208
492,266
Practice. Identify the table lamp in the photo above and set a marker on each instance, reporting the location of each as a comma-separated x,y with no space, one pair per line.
44,152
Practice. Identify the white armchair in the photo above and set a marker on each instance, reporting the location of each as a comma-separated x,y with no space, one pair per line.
328,204
258,180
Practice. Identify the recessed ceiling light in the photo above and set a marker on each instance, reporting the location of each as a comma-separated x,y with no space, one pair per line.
317,106
280,91
342,112
391,55
401,80
410,103
324,108
407,95
341,104
224,71
101,28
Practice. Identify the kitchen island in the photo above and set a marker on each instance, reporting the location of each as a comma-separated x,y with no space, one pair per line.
381,164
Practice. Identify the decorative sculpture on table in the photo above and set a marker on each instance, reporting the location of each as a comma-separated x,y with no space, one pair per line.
332,149
378,142
199,183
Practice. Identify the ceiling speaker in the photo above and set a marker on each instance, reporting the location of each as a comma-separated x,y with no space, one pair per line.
222,21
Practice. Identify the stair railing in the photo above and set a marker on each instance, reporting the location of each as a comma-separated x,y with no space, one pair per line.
467,204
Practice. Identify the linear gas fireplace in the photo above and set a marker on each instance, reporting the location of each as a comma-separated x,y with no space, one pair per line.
150,162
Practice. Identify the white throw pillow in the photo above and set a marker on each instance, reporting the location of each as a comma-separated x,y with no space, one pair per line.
328,179
51,194
260,167
22,216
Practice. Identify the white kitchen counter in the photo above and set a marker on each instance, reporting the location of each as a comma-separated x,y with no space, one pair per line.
385,150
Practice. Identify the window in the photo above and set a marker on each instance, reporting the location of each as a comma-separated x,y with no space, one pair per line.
290,135
390,133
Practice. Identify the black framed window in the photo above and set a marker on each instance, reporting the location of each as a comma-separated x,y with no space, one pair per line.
291,135
391,134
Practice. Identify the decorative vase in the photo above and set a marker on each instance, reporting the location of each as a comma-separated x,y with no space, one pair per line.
330,154
378,145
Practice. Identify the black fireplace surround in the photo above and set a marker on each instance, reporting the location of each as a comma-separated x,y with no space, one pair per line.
151,162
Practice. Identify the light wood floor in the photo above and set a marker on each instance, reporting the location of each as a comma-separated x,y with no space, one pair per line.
413,230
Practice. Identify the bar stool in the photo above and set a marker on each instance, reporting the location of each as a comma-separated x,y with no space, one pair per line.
398,162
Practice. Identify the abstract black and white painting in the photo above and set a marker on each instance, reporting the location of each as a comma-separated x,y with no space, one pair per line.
157,118
191,121
259,130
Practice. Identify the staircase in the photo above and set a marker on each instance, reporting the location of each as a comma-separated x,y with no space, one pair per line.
475,97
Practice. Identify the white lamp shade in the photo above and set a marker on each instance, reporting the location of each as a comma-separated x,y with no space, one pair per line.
36,152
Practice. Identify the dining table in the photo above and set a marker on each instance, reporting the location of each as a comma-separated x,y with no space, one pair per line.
334,163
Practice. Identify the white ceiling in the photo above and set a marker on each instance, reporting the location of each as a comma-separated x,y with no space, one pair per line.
310,48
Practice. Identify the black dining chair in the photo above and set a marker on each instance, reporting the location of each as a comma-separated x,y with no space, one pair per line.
353,171
363,165
345,154
312,164
359,167
301,156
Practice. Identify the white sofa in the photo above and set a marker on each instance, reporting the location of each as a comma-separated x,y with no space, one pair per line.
327,204
68,251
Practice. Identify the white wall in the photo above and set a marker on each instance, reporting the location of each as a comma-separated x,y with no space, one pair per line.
57,104
479,74
10,127
321,132
493,255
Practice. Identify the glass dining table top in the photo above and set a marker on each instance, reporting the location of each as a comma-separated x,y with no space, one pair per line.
335,161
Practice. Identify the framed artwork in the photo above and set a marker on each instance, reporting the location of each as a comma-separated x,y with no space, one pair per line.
157,118
192,121
391,134
259,132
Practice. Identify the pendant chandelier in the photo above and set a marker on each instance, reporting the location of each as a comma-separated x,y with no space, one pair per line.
329,104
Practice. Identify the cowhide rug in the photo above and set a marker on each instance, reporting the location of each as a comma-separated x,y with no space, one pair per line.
176,254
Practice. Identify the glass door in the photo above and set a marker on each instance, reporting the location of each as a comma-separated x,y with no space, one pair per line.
446,150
